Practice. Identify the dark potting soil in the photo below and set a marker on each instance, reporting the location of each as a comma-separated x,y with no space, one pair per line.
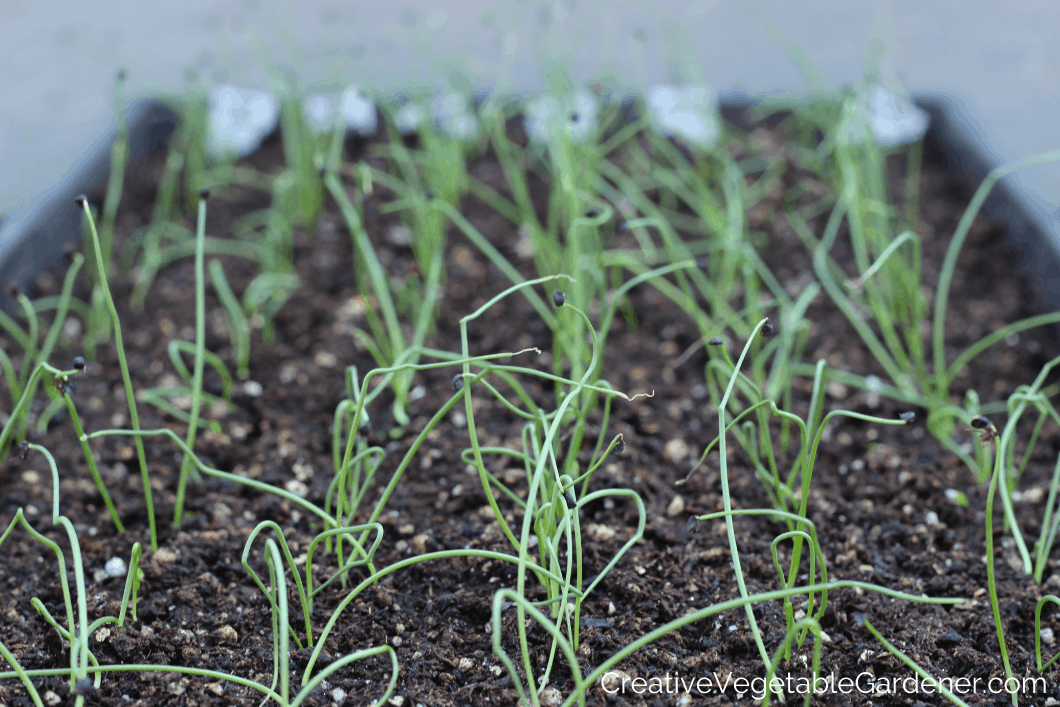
878,496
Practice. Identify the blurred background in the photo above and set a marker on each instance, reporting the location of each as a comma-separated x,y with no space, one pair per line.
998,62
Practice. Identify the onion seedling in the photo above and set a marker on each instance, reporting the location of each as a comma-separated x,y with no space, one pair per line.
118,162
888,288
20,384
160,396
238,326
130,395
298,192
200,347
1047,599
98,324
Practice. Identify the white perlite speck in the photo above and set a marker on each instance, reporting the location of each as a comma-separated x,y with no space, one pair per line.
879,114
115,567
239,119
549,117
551,697
453,116
687,112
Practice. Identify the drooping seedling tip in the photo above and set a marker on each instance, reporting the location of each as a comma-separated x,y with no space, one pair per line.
591,213
23,447
79,363
428,194
768,328
458,381
558,298
701,263
987,431
907,416
204,193
716,341
574,117
81,201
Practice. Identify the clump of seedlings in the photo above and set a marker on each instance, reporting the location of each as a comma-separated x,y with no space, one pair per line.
797,630
889,291
78,629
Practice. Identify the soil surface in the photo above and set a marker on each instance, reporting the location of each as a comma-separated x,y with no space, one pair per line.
878,496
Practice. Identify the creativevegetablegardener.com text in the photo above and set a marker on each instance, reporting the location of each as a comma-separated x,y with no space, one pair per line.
863,683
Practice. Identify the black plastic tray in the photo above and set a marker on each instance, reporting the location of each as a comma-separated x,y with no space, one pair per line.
35,237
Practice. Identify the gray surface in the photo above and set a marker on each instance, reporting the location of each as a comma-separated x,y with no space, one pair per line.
58,59
35,236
